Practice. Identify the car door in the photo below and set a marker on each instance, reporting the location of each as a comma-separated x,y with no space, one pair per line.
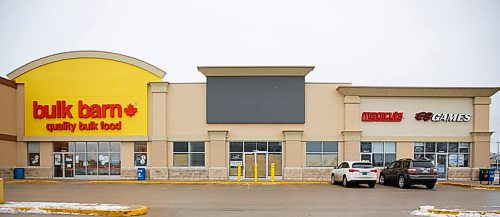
396,171
389,172
340,171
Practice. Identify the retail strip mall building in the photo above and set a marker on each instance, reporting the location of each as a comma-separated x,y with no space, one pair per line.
101,115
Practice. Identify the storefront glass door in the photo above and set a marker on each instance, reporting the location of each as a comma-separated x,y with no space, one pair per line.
64,165
441,162
250,153
250,160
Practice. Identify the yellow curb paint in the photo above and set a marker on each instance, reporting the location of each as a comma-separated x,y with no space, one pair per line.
469,185
1,191
138,210
458,212
207,183
30,181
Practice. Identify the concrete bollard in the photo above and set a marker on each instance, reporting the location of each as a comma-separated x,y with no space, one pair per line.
1,190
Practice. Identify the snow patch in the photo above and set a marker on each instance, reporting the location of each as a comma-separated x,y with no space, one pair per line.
37,207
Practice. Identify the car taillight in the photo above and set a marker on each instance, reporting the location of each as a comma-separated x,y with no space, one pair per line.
412,171
353,170
373,171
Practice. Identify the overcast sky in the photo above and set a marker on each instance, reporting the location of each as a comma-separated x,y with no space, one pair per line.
381,43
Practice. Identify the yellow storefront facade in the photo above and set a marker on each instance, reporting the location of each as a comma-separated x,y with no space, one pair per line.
101,115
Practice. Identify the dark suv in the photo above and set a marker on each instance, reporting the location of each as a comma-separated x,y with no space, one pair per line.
406,172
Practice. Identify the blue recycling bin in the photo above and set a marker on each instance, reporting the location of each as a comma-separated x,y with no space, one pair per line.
18,173
141,173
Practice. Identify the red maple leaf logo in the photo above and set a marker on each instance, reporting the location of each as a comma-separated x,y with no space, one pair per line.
130,110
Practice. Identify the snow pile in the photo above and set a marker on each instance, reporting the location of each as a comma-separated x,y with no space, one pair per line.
38,207
424,211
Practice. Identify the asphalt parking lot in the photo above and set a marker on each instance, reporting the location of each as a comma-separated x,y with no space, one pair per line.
259,200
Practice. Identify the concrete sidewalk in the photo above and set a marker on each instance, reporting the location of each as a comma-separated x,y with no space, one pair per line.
471,184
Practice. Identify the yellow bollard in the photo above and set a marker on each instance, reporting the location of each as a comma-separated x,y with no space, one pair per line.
1,191
272,172
239,172
255,172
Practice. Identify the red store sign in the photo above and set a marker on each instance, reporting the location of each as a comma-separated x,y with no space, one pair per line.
382,116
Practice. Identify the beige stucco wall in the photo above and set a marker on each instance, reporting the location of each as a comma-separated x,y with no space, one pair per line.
8,151
186,116
404,150
409,126
8,110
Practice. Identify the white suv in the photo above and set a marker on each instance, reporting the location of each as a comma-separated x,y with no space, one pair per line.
354,172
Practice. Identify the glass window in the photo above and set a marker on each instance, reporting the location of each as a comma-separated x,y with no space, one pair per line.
430,147
33,154
250,146
236,147
366,147
313,147
191,154
275,147
378,147
453,147
80,147
91,146
261,146
383,153
418,148
61,147
197,147
389,147
362,165
321,154
103,146
397,164
140,154
114,146
366,157
463,148
442,147
330,147
378,160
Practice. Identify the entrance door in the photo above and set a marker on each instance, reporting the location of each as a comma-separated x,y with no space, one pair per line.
64,165
250,160
441,162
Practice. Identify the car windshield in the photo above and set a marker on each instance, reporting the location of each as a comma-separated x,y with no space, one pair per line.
362,165
424,164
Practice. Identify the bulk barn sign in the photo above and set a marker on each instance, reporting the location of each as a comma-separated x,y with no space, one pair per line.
62,110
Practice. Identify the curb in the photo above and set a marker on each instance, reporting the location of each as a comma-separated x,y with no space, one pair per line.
207,183
133,211
458,212
469,185
30,181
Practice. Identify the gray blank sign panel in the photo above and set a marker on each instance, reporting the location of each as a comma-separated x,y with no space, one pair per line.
256,99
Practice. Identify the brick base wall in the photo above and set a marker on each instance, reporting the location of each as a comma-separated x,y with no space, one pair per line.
6,173
217,173
38,173
316,174
188,173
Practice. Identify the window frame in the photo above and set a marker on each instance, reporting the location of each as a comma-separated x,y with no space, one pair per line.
34,153
384,152
448,153
189,152
322,153
141,152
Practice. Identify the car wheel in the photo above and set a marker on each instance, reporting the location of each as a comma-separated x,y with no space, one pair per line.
332,180
371,185
402,183
381,180
430,185
345,183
